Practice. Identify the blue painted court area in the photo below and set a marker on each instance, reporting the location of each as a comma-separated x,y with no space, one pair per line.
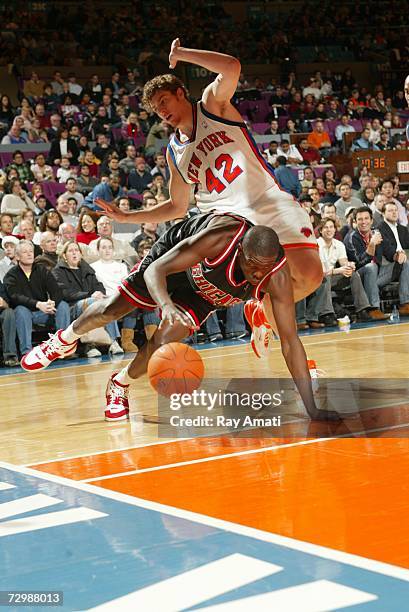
97,546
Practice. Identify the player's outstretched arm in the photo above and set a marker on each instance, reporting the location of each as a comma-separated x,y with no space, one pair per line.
281,294
174,208
227,68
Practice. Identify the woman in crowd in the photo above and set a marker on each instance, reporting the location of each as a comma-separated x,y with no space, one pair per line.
80,288
17,200
63,146
87,224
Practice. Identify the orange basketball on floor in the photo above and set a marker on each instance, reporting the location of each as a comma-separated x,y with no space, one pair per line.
175,368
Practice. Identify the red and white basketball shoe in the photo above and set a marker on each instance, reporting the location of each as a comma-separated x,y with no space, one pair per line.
117,406
48,351
262,333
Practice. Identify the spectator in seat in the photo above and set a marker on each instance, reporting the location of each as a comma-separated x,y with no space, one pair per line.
272,152
140,177
343,128
273,129
40,170
54,130
66,232
73,87
377,208
85,182
148,231
35,296
63,207
320,139
127,163
48,244
8,244
339,272
161,167
8,330
308,180
290,152
159,187
103,147
364,248
328,211
387,189
72,192
363,143
106,190
63,146
309,154
345,201
28,232
122,251
15,136
395,242
86,227
57,83
34,88
50,221
330,195
110,272
15,202
111,166
80,288
6,224
286,177
23,168
315,200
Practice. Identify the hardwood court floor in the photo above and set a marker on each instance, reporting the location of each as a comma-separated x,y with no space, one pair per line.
337,492
57,413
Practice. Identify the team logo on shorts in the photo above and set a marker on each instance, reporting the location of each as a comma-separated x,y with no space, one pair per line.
306,231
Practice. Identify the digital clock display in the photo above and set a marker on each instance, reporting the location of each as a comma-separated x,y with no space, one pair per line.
373,163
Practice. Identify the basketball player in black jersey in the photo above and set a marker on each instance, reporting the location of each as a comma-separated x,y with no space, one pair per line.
208,261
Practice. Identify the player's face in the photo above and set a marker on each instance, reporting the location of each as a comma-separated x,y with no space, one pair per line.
168,105
255,267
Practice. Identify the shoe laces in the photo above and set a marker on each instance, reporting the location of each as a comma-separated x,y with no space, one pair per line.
52,345
117,394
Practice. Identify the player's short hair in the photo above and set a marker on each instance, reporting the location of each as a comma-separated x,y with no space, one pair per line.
262,241
163,82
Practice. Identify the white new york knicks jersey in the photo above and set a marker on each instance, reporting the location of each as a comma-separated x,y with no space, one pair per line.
231,175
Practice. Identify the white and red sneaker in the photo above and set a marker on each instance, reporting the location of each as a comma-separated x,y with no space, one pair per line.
48,351
117,406
262,333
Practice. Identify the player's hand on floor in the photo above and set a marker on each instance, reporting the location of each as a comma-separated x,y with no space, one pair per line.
111,210
171,314
173,60
325,415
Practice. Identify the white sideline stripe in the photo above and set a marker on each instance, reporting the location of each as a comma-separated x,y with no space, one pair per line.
195,586
168,466
51,519
159,442
27,504
5,486
386,569
318,596
240,453
103,452
205,357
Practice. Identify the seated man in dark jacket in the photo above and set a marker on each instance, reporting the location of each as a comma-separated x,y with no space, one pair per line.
8,330
80,288
34,294
395,262
364,248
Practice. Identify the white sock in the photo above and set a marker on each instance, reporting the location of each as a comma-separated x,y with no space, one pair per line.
69,336
123,377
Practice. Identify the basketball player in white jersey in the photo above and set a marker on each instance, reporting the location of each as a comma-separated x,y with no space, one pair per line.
212,150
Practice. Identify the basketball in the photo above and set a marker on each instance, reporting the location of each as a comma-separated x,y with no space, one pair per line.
175,368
